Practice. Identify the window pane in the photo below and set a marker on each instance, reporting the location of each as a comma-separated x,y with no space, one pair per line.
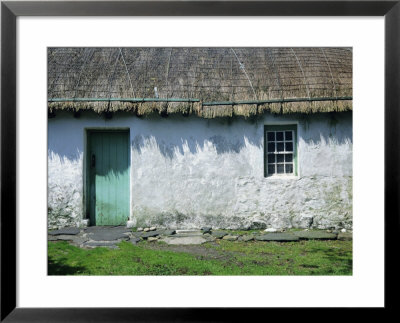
271,169
280,169
271,147
289,146
271,158
288,158
279,146
288,135
289,168
279,136
271,136
280,158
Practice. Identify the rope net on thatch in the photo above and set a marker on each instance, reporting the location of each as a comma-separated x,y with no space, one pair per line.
208,82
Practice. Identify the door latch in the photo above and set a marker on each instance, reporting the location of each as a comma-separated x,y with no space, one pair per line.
93,163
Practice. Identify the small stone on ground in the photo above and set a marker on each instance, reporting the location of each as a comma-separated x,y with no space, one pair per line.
230,238
206,229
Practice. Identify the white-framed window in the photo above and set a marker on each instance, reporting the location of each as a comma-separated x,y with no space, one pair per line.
280,150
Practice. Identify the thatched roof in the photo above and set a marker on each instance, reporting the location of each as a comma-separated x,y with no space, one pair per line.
208,82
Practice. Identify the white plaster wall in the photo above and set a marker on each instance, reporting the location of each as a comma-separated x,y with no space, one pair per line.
188,172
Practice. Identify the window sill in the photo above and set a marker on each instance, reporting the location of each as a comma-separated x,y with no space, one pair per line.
282,177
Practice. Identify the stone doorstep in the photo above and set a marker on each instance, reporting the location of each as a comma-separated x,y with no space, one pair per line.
108,236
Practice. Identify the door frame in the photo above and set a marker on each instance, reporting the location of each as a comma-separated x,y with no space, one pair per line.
86,167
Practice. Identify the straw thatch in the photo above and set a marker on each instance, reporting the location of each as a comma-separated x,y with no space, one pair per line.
311,79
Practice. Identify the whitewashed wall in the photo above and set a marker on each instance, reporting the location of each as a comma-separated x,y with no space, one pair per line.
188,172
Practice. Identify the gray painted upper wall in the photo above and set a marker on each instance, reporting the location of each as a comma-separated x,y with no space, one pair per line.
176,134
189,171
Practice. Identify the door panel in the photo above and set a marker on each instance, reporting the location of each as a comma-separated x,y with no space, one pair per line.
109,177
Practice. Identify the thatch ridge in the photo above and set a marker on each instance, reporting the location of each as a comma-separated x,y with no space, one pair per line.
249,80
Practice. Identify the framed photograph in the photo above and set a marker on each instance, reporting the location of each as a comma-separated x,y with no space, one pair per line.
197,141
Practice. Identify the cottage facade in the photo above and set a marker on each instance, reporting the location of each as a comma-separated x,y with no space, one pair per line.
191,137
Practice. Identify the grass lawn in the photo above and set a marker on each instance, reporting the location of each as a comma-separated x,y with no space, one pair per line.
311,257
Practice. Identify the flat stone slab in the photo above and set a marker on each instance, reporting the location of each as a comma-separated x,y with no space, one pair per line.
188,233
219,234
100,243
77,239
277,237
65,231
108,236
137,234
315,235
61,237
345,236
184,240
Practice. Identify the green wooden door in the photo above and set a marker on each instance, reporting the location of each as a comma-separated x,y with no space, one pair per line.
108,164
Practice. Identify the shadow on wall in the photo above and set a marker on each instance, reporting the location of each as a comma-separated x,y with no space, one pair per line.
225,136
221,145
232,137
62,157
193,135
316,129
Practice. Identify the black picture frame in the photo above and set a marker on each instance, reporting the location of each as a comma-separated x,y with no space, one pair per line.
10,10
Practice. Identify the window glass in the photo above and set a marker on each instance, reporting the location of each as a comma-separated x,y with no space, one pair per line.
271,136
288,146
271,169
280,146
271,158
288,168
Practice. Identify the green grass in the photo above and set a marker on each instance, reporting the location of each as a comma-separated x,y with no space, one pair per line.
223,258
